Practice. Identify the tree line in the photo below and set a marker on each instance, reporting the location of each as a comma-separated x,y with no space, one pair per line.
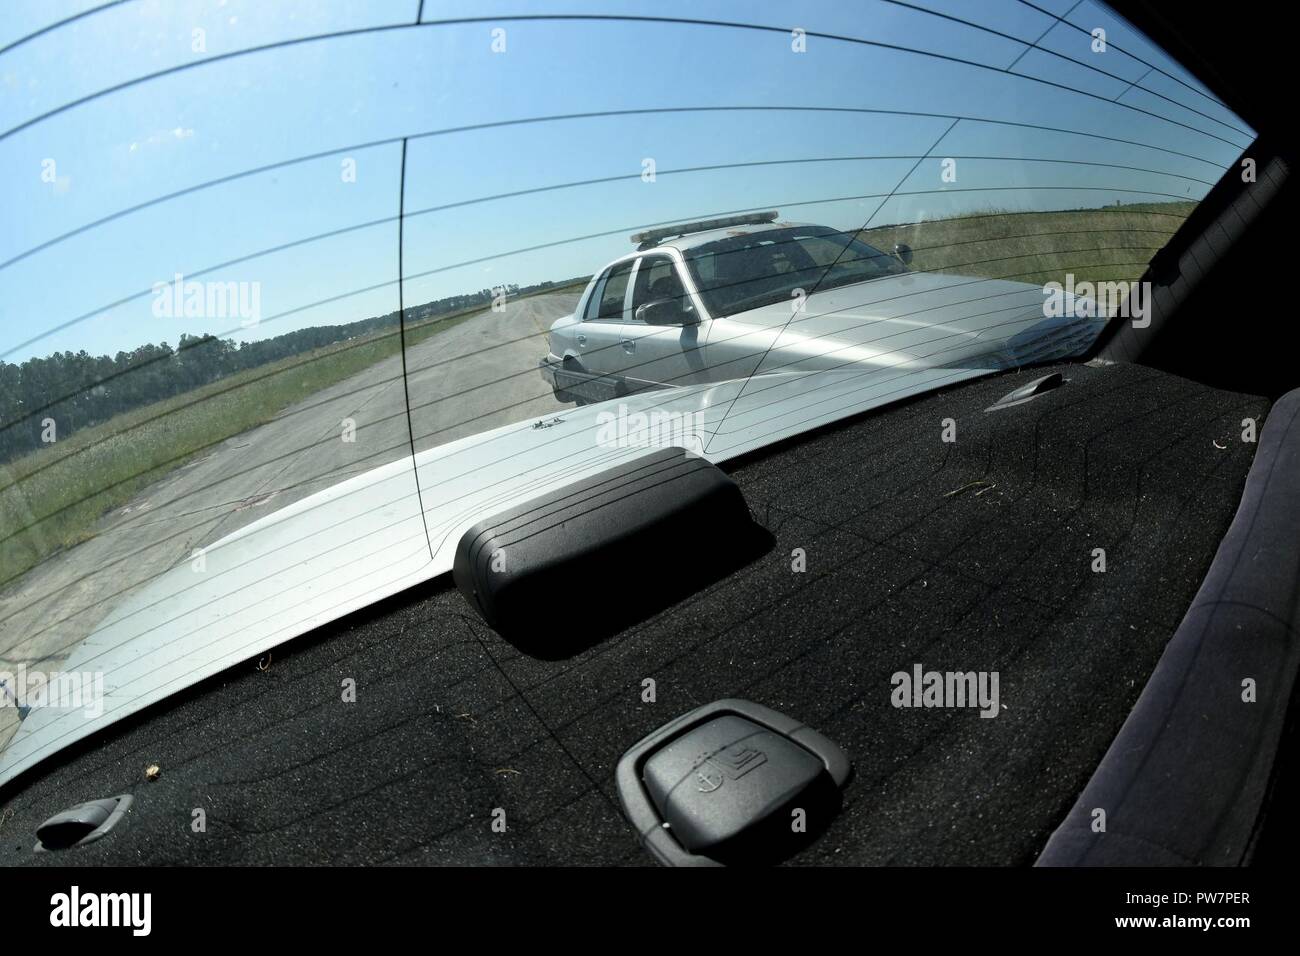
77,390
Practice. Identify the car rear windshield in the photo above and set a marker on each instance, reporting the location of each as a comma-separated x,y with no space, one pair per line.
745,272
252,253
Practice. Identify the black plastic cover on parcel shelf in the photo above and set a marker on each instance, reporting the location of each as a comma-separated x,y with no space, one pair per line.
599,552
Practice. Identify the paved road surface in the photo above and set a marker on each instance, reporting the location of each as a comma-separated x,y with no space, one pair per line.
477,375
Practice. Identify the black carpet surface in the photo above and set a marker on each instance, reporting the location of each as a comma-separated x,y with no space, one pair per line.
973,555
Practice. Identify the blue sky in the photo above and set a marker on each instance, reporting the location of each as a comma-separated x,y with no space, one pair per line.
216,119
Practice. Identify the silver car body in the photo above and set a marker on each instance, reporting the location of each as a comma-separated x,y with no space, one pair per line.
909,321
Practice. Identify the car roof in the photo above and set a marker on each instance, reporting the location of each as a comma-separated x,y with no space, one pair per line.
695,239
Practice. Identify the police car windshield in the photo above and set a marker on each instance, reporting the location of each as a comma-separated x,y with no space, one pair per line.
748,271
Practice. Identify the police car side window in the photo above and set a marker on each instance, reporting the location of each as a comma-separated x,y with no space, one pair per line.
656,279
614,292
593,302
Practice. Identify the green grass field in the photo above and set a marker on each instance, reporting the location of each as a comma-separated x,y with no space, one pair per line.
1096,245
53,498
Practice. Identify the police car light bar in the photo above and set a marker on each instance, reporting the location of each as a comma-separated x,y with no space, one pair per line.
651,237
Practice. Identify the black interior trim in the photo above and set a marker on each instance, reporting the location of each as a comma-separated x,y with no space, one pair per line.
1186,780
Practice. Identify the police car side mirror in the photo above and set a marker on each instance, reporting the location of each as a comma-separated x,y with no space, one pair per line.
667,312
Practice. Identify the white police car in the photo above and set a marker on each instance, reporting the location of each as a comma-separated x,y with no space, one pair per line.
728,298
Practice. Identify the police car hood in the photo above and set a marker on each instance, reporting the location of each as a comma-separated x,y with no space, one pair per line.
919,320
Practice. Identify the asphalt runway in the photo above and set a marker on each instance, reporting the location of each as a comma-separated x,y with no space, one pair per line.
477,375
